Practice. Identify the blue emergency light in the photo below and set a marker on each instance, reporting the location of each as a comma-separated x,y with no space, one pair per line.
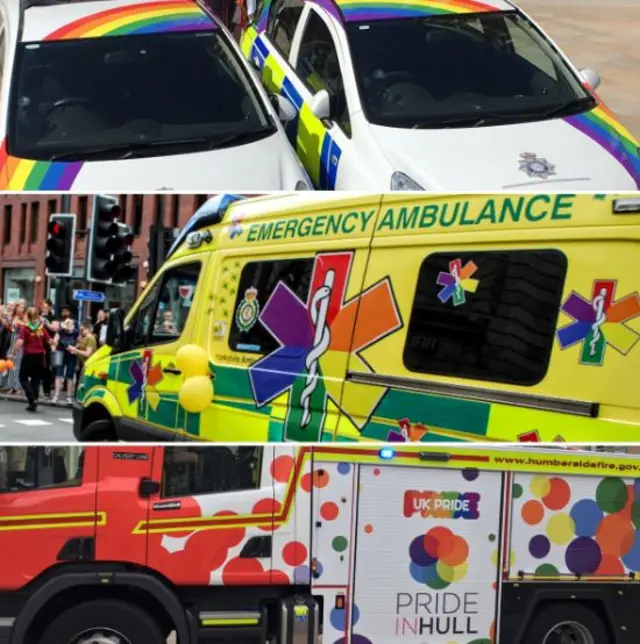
387,453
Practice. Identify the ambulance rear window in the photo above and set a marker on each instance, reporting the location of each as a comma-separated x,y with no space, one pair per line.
486,315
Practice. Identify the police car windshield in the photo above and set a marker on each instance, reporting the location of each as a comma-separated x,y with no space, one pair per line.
461,71
113,97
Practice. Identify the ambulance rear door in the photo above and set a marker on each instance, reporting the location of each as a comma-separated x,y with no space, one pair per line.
426,556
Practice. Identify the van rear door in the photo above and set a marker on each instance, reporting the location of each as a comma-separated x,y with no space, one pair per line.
426,556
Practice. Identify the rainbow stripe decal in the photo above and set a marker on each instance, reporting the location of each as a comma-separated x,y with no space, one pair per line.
142,18
601,126
25,174
365,10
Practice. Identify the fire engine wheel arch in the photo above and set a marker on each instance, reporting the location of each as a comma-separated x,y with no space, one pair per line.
609,608
184,623
573,615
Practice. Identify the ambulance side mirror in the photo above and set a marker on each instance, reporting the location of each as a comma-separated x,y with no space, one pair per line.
115,329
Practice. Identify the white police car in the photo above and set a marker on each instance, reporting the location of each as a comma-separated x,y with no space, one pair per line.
436,95
134,95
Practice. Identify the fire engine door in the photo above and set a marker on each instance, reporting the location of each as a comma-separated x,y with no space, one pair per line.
123,473
47,509
427,555
212,520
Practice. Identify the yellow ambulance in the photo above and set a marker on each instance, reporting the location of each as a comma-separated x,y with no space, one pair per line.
382,317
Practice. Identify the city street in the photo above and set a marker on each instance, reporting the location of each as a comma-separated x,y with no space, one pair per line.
602,36
49,424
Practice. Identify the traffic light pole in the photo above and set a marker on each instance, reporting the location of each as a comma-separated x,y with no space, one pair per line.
62,283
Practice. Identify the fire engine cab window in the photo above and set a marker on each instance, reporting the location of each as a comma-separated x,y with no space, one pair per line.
258,282
486,316
282,23
37,468
210,470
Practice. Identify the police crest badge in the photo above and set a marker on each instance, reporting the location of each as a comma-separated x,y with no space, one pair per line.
248,310
534,166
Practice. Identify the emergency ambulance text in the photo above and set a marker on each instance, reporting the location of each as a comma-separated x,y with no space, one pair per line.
442,505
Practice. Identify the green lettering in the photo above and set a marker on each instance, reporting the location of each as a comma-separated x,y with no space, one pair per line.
304,227
465,209
277,230
488,211
253,230
428,216
444,222
365,217
265,231
349,229
513,212
333,224
387,220
406,220
319,225
530,215
291,228
562,202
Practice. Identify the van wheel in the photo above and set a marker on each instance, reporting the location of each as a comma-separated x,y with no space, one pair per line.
566,624
99,431
103,622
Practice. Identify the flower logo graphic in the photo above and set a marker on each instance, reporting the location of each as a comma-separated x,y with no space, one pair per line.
438,558
145,378
457,281
315,337
600,322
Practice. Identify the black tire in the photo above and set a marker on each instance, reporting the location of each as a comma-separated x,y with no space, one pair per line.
99,431
123,618
543,622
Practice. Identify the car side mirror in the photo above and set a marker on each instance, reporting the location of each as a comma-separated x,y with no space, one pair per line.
284,107
320,105
591,78
115,329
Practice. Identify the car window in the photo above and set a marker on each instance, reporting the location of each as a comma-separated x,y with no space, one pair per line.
143,319
142,95
486,315
463,70
37,468
282,22
191,471
258,282
319,68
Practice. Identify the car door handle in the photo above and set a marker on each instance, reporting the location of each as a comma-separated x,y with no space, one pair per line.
172,371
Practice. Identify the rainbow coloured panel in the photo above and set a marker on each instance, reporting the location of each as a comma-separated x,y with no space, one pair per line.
365,10
137,19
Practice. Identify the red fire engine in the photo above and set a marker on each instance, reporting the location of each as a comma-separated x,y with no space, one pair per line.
340,544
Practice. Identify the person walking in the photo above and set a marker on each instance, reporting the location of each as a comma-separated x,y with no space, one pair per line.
17,322
86,345
67,337
32,342
47,319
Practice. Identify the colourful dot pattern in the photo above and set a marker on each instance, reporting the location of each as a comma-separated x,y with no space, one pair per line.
578,526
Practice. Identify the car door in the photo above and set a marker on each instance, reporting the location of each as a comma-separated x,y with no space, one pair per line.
148,377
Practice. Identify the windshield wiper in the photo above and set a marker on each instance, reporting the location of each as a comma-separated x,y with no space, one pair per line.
461,121
124,150
241,137
569,107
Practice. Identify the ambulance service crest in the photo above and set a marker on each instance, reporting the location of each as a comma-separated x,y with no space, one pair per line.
248,310
536,167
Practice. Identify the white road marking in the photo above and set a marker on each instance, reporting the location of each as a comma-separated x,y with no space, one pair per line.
66,420
33,422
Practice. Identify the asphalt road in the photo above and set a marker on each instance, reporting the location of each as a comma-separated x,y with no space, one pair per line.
47,425
602,35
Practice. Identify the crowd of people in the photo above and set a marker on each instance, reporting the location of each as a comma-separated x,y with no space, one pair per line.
41,354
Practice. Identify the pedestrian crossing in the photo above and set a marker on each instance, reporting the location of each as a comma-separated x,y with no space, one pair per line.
35,422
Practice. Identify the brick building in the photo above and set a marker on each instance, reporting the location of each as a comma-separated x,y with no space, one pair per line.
23,237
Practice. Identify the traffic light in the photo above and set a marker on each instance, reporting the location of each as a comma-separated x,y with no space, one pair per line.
104,240
122,256
60,245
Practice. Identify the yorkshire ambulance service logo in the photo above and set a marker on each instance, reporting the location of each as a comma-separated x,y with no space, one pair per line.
599,322
536,167
457,282
248,310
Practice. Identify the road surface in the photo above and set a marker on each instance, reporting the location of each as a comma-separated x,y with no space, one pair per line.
602,35
47,425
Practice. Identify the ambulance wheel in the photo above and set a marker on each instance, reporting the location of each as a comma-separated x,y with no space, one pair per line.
104,622
99,431
566,623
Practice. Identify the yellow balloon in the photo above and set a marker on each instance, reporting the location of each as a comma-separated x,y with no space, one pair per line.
192,361
196,394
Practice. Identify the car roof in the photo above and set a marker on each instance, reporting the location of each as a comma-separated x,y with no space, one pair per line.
51,20
369,10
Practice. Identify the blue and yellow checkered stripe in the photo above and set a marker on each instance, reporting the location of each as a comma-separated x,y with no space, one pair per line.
318,151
